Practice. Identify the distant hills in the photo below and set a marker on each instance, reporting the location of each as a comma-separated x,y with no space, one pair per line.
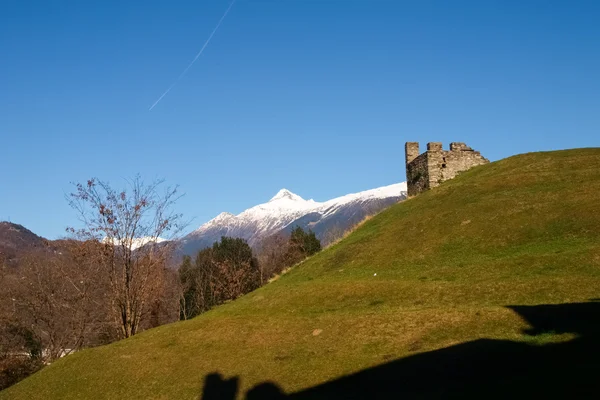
286,210
15,239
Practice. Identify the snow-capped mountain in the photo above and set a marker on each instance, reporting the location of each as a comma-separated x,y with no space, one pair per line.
286,210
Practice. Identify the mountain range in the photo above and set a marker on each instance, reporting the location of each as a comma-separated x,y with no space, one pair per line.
286,210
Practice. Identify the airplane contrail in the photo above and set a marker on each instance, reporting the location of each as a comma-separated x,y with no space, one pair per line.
195,58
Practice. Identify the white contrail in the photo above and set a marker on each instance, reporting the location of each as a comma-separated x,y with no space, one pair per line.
195,58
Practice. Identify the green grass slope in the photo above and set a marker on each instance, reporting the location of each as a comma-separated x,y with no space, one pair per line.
434,271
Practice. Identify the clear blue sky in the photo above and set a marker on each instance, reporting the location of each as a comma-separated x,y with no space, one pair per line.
317,96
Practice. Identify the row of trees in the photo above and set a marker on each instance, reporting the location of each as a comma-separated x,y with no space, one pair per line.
229,269
107,282
112,278
60,299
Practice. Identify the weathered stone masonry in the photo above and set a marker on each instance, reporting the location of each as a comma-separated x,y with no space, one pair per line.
436,165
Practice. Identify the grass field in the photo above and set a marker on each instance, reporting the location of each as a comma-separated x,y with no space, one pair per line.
436,271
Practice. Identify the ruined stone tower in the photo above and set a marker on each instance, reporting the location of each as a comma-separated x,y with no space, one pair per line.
436,165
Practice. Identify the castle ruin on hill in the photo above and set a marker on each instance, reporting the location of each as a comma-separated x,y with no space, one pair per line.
436,165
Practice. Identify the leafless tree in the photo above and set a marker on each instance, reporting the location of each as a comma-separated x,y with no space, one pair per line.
219,274
58,298
194,296
14,363
130,223
334,234
164,307
230,282
273,256
50,306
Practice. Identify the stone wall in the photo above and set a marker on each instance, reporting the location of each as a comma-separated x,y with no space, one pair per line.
437,165
411,150
417,175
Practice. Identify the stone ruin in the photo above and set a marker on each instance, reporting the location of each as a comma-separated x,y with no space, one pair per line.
436,165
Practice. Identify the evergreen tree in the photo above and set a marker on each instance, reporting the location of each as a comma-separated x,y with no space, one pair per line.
304,244
220,273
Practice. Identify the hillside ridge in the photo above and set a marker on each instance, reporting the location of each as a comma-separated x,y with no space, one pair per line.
489,264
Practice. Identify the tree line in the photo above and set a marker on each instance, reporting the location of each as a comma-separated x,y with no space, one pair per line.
113,278
229,268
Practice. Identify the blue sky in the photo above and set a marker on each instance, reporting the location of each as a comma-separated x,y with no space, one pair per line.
317,96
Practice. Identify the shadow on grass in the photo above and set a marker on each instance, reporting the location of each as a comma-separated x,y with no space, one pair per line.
479,369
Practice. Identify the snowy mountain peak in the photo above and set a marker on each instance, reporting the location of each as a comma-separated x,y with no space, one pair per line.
224,215
286,210
286,194
221,218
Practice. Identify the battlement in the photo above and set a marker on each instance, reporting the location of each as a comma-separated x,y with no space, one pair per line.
434,146
411,149
458,146
436,165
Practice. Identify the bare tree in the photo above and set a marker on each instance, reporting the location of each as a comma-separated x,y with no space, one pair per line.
273,256
47,310
164,307
131,224
334,234
16,362
58,300
193,288
219,274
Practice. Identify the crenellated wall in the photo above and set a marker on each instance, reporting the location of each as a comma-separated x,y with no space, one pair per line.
436,165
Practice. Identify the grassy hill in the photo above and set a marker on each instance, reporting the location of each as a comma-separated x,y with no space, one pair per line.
460,263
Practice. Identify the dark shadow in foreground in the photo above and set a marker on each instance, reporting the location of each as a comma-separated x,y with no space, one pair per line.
480,369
